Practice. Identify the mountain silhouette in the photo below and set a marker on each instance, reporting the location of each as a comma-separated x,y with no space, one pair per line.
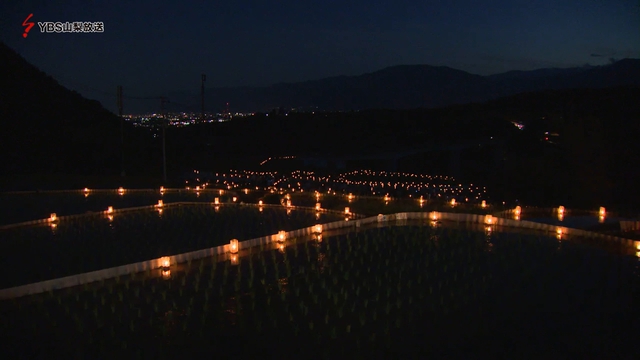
417,86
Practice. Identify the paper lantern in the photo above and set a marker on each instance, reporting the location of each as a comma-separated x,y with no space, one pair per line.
288,203
165,262
387,198
260,202
246,191
197,188
350,197
488,219
602,211
53,217
121,191
434,216
318,207
110,210
484,204
453,202
234,259
234,246
161,189
216,201
160,203
282,235
561,210
235,199
347,211
517,210
317,229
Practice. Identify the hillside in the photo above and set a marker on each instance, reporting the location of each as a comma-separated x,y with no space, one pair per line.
48,129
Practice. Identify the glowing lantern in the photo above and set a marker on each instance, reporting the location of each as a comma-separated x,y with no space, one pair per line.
559,233
110,210
281,248
488,219
319,237
246,191
350,197
216,201
235,199
234,246
234,259
317,229
53,217
282,235
434,216
161,189
121,191
165,262
110,217
288,203
484,204
220,192
518,210
160,203
561,210
86,190
260,202
602,212
318,207
387,198
347,211
453,202
197,188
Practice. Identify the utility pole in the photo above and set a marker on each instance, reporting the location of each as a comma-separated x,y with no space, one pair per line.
164,100
121,130
204,78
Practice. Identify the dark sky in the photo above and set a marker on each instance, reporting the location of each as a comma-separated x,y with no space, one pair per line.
153,47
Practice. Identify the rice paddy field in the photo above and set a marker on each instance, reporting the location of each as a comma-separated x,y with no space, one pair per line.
415,290
76,245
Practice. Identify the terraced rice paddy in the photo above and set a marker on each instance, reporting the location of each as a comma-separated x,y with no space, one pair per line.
77,245
401,291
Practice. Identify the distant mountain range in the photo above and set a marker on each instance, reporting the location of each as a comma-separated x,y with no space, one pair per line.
414,86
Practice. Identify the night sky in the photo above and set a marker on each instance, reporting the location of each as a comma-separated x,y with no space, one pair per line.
156,47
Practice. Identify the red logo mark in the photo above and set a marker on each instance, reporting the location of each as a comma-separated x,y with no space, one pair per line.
29,25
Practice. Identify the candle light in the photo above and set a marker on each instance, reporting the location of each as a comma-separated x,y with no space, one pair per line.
234,246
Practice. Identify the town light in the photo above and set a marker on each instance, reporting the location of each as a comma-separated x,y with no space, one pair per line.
318,207
517,210
347,211
317,229
216,201
110,210
488,219
165,262
53,217
282,235
160,203
121,191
